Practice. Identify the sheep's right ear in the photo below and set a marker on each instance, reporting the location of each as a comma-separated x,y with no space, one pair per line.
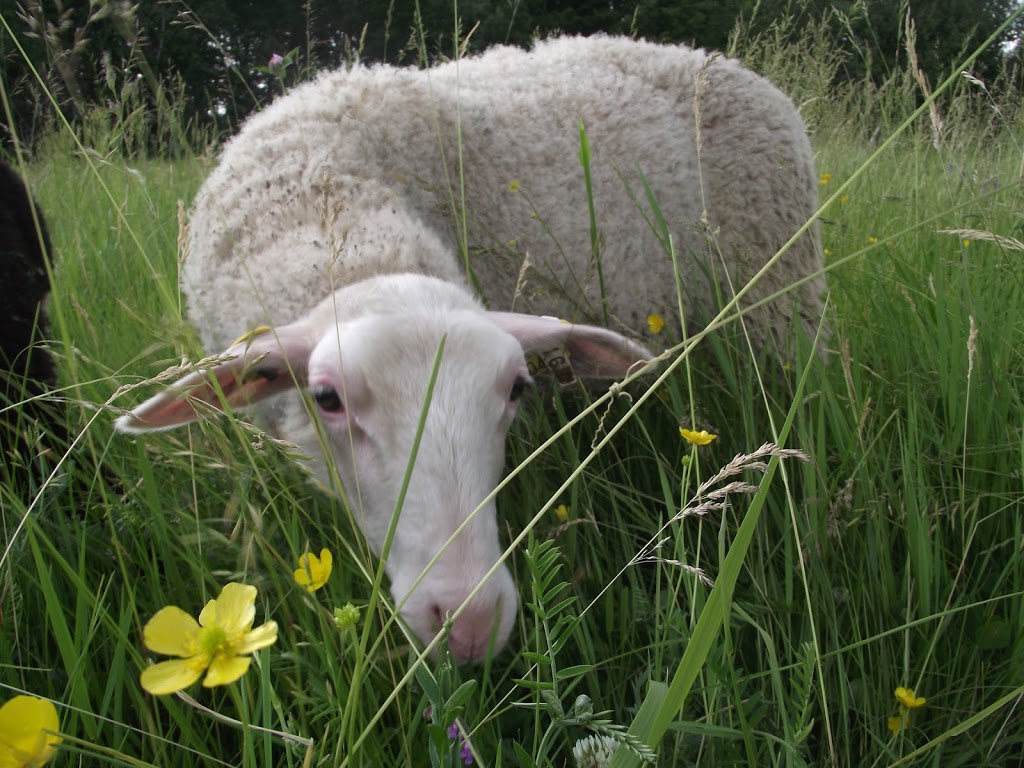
263,363
570,350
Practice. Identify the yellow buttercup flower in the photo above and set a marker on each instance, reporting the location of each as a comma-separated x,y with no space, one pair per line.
908,700
513,186
313,572
219,644
562,512
898,722
872,240
655,322
697,438
906,697
824,179
28,732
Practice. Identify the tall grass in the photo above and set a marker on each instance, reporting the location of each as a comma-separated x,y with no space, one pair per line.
891,558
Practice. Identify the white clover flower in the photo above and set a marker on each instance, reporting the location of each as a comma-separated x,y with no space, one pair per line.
594,751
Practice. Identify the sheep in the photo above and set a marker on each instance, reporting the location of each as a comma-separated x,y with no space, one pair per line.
374,212
26,371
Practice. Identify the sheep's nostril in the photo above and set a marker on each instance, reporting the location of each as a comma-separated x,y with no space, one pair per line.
471,636
437,615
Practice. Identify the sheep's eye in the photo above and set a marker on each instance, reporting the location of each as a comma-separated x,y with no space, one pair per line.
518,386
327,399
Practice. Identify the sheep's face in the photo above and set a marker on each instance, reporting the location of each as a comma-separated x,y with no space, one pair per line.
368,380
364,357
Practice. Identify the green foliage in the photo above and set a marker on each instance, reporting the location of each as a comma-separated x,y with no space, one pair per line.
190,71
889,560
551,604
446,706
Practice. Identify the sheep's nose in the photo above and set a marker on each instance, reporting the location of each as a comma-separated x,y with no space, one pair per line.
474,634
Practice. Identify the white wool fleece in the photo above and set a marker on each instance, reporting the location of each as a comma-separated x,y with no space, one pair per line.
368,171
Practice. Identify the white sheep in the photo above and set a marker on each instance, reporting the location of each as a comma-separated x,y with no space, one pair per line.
346,215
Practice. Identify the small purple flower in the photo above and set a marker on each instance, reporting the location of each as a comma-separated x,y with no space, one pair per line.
465,753
276,60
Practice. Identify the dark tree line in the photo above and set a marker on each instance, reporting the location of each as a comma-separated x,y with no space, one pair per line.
210,59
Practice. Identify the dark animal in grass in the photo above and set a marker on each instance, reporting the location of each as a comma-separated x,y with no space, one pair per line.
26,369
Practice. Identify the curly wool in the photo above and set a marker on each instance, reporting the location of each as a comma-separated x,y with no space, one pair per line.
368,171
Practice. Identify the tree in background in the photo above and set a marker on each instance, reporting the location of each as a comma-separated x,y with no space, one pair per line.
208,59
946,32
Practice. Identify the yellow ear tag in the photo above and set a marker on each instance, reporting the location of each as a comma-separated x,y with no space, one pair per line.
554,360
250,335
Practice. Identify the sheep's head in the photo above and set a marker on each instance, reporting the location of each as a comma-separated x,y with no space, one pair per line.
365,357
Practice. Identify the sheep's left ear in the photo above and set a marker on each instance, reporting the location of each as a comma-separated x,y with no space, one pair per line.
566,349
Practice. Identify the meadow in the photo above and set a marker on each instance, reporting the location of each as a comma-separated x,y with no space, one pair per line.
660,619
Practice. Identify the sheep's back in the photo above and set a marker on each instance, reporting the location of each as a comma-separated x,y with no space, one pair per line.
476,163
